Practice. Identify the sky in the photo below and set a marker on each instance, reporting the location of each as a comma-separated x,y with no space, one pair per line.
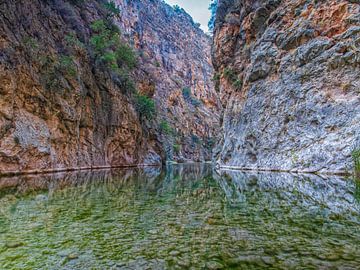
198,9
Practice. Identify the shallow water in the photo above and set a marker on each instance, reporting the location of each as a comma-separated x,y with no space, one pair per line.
184,217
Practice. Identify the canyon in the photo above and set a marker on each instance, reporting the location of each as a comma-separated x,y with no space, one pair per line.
131,139
94,84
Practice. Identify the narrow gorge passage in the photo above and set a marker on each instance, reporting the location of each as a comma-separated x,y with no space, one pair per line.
176,134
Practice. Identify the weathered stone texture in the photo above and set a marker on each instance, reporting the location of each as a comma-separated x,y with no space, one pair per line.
296,103
90,119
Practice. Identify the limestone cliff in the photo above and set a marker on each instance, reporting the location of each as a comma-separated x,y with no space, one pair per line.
67,101
288,73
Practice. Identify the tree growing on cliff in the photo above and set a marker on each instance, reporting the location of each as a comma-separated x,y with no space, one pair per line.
213,8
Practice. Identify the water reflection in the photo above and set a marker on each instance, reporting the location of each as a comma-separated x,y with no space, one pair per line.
179,217
330,193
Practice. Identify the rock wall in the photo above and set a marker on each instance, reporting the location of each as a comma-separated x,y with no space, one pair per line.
288,73
61,108
177,56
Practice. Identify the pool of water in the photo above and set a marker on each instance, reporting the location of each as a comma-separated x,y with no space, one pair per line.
179,217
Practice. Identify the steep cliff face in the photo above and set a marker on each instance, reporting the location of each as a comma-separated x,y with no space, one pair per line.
66,102
289,79
176,56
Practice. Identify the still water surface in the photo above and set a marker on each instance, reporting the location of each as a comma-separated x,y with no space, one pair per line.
181,217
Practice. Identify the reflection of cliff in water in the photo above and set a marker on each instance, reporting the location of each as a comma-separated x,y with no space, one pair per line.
243,219
51,182
274,190
150,179
300,191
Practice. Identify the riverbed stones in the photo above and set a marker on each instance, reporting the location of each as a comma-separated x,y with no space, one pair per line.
14,244
214,265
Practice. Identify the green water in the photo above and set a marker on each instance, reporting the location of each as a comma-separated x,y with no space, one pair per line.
182,217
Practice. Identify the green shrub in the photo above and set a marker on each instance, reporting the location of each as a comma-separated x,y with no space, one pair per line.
127,82
238,84
73,41
216,80
230,74
166,128
30,43
104,37
177,8
186,92
195,139
127,55
53,68
177,148
32,48
216,77
77,2
109,48
209,143
16,140
112,9
145,106
110,59
195,102
67,66
356,159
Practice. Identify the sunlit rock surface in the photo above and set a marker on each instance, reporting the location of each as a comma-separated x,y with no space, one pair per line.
289,79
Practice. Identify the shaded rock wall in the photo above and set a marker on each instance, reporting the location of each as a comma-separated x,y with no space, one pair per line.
50,120
55,115
289,79
176,55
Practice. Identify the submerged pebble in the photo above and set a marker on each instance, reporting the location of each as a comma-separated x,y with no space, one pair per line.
72,256
14,244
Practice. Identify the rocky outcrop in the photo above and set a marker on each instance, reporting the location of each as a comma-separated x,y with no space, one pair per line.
64,106
289,78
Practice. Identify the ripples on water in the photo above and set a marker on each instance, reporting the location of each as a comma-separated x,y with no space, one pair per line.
184,217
